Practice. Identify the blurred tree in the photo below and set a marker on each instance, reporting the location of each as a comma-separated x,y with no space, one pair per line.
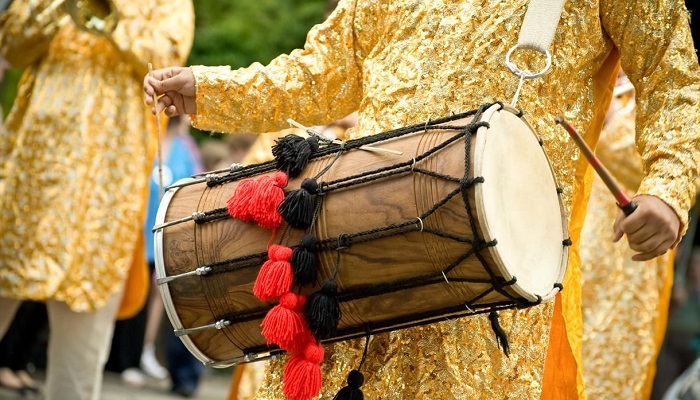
237,33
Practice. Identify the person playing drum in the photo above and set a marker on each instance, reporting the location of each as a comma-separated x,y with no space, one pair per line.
400,63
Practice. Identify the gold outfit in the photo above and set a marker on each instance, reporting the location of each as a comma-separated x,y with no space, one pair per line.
402,62
625,303
79,147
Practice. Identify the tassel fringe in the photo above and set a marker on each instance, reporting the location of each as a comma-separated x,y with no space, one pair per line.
276,276
305,261
258,199
501,337
352,390
284,325
322,311
298,206
302,375
292,153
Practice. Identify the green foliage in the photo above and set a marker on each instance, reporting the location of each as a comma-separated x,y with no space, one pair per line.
235,33
239,32
8,89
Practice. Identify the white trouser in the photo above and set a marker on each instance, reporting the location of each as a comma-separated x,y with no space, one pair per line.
78,347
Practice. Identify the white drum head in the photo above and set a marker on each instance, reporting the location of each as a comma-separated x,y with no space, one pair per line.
518,204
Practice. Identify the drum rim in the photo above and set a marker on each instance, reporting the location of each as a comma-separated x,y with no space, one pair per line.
484,229
168,304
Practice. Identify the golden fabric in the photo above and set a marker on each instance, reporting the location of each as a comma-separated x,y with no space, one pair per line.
261,150
79,148
623,301
403,62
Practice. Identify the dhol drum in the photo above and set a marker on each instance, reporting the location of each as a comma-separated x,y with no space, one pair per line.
468,219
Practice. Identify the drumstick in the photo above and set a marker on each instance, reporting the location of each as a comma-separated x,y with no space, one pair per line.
623,201
158,134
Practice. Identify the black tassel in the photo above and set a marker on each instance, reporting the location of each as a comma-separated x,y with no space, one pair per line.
501,338
322,311
304,261
292,153
299,205
352,390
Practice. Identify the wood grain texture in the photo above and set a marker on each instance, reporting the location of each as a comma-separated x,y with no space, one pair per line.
202,300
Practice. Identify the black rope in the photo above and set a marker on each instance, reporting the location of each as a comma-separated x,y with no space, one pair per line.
477,244
332,148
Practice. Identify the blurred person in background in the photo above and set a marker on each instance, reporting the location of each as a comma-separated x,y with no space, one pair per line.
133,351
18,346
619,295
180,160
75,159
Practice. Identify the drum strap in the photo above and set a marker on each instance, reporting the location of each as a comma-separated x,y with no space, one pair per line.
540,24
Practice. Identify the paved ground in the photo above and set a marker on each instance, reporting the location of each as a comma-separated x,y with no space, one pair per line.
214,386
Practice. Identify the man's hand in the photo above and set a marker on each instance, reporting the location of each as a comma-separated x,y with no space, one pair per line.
651,229
175,88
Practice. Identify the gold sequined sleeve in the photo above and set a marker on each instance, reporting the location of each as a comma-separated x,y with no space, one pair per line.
658,56
164,38
26,28
314,85
617,151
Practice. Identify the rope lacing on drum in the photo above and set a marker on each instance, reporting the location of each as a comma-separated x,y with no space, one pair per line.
421,223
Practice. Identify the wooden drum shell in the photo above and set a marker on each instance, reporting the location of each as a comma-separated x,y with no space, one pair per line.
195,301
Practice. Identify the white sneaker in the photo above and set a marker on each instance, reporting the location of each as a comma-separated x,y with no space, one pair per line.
133,377
150,365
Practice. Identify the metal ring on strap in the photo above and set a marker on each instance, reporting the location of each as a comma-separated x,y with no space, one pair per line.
525,74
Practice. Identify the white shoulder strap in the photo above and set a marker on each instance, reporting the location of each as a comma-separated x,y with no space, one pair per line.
540,23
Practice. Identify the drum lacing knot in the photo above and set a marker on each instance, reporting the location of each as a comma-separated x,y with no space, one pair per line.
567,242
480,243
472,128
466,181
559,286
343,242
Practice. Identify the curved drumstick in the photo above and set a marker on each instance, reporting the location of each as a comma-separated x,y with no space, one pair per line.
623,201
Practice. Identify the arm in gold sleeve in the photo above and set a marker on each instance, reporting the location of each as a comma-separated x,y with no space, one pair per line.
657,54
26,29
163,36
314,85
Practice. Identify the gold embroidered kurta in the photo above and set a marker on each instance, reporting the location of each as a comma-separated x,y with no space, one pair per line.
78,147
402,62
625,303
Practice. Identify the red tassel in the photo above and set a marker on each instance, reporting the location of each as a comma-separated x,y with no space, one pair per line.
269,195
276,276
239,203
302,375
285,326
257,200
